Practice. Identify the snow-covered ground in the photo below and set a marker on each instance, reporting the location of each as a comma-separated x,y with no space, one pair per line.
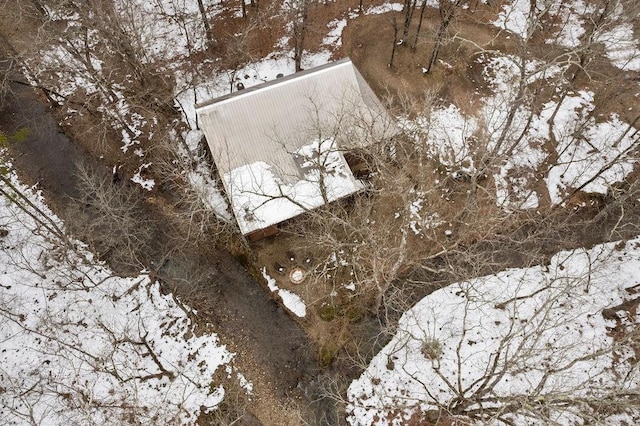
445,133
523,336
615,31
602,156
592,163
599,158
79,345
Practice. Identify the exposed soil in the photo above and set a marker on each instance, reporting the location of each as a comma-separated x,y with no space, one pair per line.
46,156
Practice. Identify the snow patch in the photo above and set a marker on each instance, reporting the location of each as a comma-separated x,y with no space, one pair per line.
385,8
291,301
209,192
621,47
334,38
147,184
446,135
514,17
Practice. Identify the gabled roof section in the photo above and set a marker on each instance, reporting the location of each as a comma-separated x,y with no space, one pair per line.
259,132
277,81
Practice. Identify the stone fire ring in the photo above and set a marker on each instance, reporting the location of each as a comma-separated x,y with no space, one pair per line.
297,275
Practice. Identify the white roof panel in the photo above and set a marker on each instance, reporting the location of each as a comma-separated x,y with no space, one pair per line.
255,134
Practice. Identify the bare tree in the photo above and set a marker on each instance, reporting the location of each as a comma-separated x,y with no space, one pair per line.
585,56
205,22
409,7
448,10
535,344
243,8
189,180
394,46
422,8
110,217
238,52
298,11
6,71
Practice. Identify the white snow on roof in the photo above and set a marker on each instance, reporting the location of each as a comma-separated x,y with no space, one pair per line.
260,198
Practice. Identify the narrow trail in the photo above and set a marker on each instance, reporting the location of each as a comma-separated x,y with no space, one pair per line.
272,351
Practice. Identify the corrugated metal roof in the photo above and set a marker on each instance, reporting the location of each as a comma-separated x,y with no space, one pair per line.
269,122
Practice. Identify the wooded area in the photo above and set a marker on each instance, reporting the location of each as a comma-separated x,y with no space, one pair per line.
515,137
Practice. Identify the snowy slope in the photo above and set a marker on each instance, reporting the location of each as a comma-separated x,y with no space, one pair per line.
79,345
531,340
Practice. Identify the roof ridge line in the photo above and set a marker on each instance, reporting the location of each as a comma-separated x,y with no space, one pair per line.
275,82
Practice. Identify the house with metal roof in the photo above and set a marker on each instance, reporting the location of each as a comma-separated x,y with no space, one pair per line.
279,146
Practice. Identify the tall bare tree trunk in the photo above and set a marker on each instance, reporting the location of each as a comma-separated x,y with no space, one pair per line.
395,41
299,31
409,7
447,13
415,41
205,23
